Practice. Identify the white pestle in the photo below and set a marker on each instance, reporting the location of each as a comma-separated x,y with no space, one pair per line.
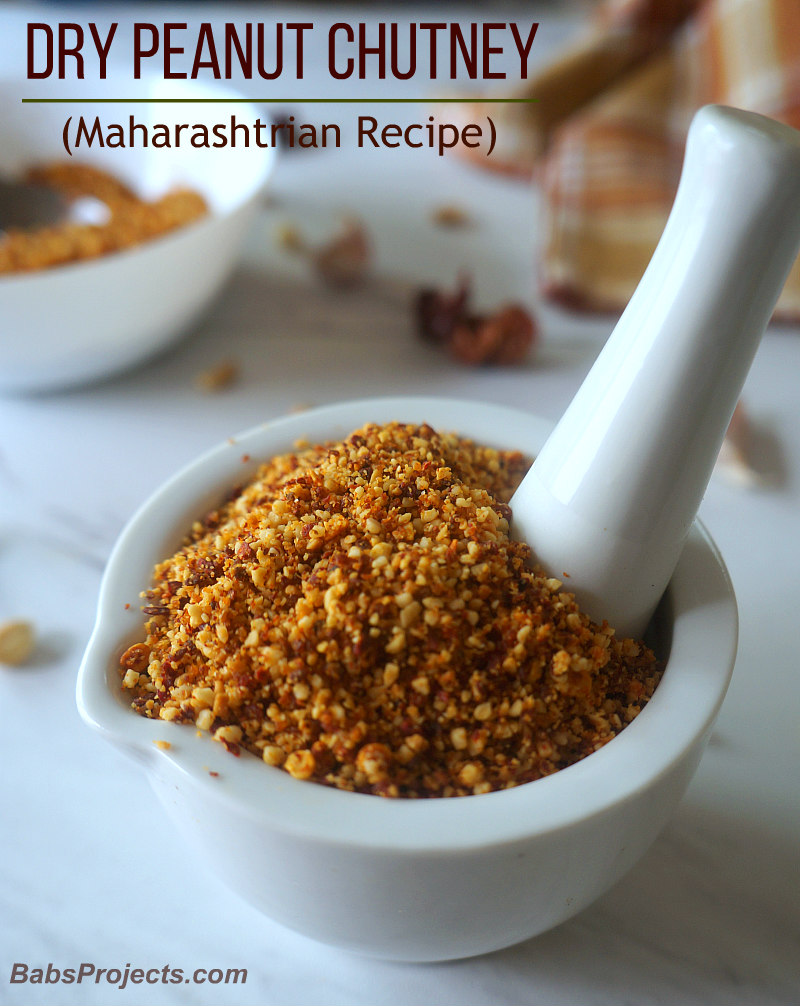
610,498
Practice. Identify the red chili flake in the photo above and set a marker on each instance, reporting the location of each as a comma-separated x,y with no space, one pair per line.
503,337
438,312
245,551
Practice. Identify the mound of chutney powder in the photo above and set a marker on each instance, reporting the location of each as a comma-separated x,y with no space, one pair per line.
359,616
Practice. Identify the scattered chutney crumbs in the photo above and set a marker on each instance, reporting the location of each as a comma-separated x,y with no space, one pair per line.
359,616
131,220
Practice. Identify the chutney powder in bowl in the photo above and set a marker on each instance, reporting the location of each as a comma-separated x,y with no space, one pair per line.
358,616
130,221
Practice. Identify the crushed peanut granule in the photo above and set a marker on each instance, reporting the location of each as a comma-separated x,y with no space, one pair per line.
358,616
345,259
17,641
219,377
451,215
290,238
132,220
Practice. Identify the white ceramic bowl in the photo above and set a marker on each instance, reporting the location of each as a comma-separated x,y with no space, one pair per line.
86,320
413,879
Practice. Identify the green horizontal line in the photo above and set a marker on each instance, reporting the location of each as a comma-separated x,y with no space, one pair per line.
278,101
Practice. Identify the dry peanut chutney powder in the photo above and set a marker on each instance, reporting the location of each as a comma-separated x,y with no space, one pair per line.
359,616
131,219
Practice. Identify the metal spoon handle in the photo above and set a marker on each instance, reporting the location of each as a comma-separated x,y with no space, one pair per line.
611,497
24,205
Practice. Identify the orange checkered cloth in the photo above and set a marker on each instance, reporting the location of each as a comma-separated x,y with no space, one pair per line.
608,164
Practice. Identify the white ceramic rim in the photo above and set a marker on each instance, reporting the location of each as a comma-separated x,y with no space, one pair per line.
701,660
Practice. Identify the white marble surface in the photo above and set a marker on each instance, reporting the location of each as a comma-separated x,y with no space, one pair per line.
91,870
